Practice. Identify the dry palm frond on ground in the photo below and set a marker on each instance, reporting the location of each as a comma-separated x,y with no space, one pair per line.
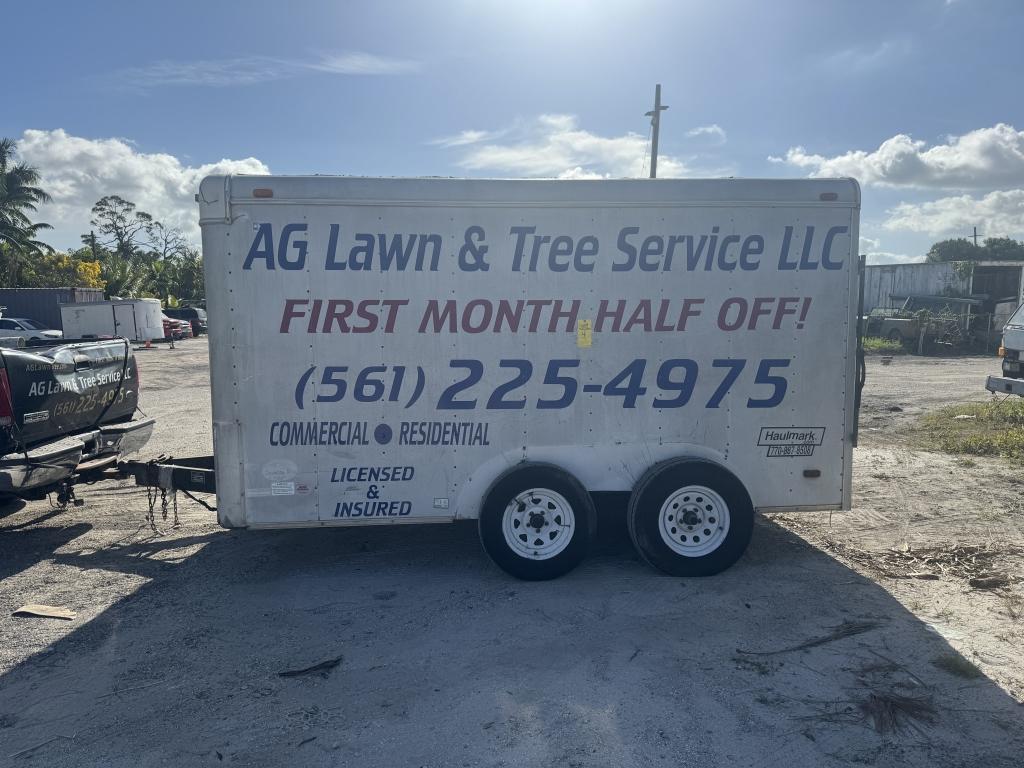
963,561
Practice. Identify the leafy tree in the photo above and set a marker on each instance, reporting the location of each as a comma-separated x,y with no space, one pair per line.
1003,249
120,229
190,285
88,274
139,255
56,269
122,277
119,224
958,249
159,278
962,249
20,196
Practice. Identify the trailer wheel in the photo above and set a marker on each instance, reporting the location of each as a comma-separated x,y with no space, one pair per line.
690,518
536,522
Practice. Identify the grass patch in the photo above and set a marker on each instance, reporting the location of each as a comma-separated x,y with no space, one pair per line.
876,345
957,665
989,429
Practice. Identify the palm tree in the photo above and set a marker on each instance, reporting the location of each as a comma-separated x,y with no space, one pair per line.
121,277
159,277
19,196
189,283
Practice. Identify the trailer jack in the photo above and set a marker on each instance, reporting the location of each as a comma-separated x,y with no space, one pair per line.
66,496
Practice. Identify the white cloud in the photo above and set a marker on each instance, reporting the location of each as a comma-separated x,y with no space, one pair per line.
997,214
554,146
984,158
248,70
714,131
867,58
462,138
886,257
77,172
360,63
871,248
218,73
580,173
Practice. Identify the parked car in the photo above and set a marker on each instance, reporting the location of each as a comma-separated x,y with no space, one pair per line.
949,321
66,409
175,330
195,315
891,324
27,329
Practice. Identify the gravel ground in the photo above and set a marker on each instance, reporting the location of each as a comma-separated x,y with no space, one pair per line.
814,650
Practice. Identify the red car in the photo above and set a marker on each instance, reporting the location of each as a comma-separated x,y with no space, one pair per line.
176,329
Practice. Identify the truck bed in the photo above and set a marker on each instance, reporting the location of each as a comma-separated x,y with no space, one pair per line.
64,407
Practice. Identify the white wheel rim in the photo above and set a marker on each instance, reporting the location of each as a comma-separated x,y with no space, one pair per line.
538,524
694,521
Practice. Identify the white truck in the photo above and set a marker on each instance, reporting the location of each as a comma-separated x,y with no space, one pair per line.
425,350
1011,350
133,319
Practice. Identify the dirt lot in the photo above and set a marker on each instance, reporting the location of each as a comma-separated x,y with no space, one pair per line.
825,646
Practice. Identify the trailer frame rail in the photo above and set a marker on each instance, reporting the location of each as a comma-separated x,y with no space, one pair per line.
189,475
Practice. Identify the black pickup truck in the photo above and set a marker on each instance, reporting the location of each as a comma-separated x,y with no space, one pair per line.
65,410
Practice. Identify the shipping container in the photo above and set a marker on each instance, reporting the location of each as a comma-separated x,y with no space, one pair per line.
425,350
43,304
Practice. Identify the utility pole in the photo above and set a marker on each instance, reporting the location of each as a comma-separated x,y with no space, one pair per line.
655,115
975,237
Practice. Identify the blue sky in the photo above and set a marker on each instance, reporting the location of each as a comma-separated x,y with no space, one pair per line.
919,99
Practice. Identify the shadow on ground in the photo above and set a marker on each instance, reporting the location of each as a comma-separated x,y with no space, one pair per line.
446,661
25,544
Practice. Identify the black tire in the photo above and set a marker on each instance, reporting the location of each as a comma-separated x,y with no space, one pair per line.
656,488
537,477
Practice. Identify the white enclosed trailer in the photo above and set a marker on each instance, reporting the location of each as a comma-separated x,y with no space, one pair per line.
424,350
133,319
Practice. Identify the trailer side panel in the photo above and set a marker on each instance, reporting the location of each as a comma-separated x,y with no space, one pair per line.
383,349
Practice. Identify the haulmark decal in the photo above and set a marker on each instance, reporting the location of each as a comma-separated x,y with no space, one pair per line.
790,441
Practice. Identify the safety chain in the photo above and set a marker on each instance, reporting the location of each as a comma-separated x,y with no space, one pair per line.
174,499
151,501
152,494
